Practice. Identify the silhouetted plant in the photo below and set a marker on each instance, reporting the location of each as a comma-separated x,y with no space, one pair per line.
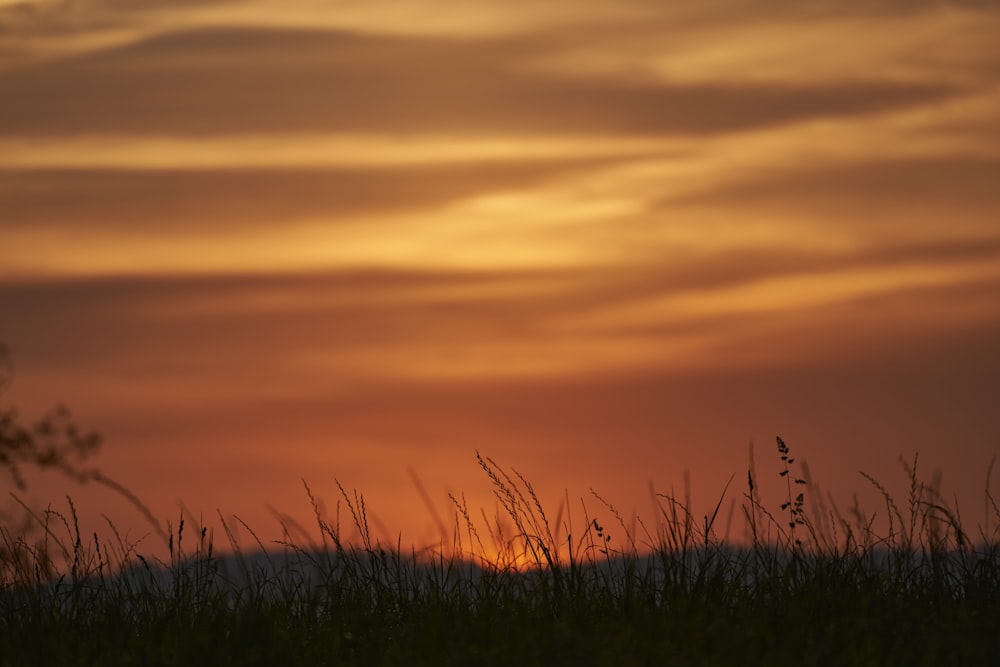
682,596
794,506
53,442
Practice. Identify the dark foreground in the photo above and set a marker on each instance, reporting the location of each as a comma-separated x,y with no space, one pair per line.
810,590
712,606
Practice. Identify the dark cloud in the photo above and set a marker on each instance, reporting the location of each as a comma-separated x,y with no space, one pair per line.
891,204
179,322
968,183
193,200
721,270
200,322
234,81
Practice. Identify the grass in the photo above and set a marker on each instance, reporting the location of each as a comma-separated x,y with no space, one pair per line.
809,585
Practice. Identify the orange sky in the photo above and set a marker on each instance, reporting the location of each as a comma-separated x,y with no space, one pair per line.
601,241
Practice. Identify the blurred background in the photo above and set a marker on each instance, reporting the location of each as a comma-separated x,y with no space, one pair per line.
609,243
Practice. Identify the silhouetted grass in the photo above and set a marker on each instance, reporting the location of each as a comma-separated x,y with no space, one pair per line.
808,587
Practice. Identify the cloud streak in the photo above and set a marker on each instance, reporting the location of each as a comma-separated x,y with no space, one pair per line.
601,237
243,81
182,201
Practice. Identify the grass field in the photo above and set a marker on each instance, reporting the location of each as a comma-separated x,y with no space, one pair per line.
809,586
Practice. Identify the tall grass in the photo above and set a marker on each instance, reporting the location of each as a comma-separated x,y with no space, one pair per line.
809,585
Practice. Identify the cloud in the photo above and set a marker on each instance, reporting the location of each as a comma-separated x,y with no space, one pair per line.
266,359
945,179
180,202
244,81
739,221
882,201
361,326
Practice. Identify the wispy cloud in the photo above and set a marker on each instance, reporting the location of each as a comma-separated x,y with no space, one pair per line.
265,81
420,224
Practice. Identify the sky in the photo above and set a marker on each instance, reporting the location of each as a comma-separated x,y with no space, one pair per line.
608,243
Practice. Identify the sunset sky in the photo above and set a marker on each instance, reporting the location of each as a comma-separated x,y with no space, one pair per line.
604,242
